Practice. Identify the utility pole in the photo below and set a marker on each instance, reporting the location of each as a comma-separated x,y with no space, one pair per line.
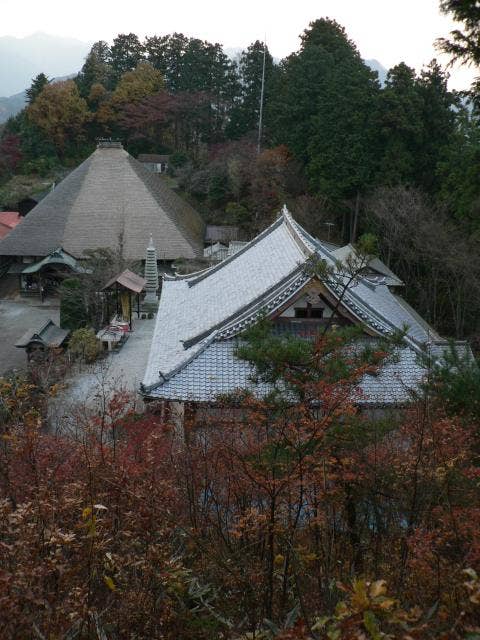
260,119
329,226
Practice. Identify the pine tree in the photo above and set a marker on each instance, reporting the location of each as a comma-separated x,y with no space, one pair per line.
96,69
125,54
37,86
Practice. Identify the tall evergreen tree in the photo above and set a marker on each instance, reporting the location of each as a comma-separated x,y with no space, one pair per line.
416,123
190,65
400,127
125,54
166,53
439,108
459,169
323,109
245,115
37,86
96,69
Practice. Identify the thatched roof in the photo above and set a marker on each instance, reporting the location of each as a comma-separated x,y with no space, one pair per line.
110,200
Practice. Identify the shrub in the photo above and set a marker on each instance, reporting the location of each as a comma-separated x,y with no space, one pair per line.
73,314
84,345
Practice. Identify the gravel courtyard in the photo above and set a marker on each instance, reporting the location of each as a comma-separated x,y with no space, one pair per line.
89,387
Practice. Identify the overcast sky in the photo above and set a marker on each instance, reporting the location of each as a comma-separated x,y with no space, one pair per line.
388,30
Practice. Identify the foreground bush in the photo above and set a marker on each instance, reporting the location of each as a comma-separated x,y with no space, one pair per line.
262,519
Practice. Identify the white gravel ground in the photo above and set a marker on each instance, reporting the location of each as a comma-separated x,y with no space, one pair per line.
90,387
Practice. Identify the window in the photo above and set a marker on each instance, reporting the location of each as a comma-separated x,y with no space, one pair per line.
301,312
309,312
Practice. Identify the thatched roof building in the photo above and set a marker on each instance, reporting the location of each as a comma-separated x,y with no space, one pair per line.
110,200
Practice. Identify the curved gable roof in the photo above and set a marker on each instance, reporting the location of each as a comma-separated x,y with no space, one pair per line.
217,304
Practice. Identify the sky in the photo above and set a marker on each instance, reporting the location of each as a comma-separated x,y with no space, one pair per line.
387,30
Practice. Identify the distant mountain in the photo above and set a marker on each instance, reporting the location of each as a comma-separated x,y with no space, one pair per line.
377,66
21,59
11,106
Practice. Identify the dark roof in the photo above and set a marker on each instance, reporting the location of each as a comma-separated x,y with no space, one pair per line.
47,334
56,257
153,157
110,200
129,280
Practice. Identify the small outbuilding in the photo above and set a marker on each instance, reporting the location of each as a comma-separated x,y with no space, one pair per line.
124,288
155,162
42,277
40,341
223,233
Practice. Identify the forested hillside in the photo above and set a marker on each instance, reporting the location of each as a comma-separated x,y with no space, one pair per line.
399,161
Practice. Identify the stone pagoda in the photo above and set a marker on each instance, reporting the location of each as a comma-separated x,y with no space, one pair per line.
150,302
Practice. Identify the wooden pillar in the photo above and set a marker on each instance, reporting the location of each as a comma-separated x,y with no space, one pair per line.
130,308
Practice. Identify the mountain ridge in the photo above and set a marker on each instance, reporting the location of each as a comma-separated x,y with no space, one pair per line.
21,59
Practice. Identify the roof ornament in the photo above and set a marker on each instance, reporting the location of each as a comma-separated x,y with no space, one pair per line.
108,143
285,211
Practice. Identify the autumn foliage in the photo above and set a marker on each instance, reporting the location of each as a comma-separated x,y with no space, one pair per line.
273,517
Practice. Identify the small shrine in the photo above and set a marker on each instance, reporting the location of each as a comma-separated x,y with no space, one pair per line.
123,293
40,341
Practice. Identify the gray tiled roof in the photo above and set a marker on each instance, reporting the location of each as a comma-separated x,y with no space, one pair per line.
217,371
110,200
200,316
49,334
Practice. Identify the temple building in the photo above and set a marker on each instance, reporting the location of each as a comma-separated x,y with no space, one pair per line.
202,316
110,201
